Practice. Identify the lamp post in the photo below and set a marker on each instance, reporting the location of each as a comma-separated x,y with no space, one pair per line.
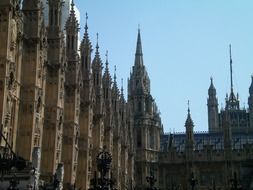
10,162
235,185
104,160
193,181
151,181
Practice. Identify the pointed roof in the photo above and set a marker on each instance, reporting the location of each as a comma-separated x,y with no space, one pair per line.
251,86
233,102
139,79
97,62
107,76
122,97
86,41
211,90
72,20
138,53
138,45
115,85
189,122
72,11
232,97
115,76
231,70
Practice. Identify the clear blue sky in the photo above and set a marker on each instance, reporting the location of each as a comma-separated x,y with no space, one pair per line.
184,43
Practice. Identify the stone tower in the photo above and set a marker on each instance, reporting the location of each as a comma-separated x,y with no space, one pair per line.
11,32
108,120
232,102
212,106
238,118
117,130
250,103
54,102
72,101
98,107
86,114
189,144
146,120
189,141
124,136
30,124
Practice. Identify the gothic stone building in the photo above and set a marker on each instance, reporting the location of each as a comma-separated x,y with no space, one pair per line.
60,107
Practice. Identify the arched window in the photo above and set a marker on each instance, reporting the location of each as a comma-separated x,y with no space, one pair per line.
56,17
138,138
139,106
60,123
51,17
68,43
72,42
38,105
11,79
86,61
152,139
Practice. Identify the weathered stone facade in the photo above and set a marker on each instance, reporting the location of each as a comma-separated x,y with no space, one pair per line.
11,33
58,100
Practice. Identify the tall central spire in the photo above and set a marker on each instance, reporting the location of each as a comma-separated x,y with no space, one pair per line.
138,53
138,46
233,101
231,70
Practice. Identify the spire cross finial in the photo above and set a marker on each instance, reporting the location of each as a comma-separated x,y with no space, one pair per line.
106,55
86,20
139,27
106,62
231,69
72,5
115,69
86,16
188,104
97,42
122,88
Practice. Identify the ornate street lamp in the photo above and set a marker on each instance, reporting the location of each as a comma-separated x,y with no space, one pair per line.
104,160
193,181
151,181
235,185
10,162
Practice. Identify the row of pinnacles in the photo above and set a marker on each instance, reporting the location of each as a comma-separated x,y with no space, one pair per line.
60,107
241,120
58,101
216,157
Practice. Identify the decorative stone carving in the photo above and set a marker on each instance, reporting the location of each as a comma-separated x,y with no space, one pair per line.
13,34
59,176
36,156
11,81
38,106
